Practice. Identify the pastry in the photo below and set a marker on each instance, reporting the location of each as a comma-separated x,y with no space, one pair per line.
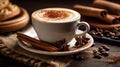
16,23
9,12
3,3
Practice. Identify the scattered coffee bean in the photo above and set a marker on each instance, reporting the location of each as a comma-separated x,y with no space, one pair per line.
97,56
97,29
105,54
111,33
85,38
65,47
105,47
92,32
106,31
81,41
116,38
78,57
100,34
59,43
101,49
112,37
107,35
79,44
84,42
95,51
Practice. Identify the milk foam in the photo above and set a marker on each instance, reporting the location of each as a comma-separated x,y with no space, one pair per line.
56,15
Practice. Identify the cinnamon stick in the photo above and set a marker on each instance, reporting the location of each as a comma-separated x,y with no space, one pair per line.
111,7
36,42
111,19
90,11
97,23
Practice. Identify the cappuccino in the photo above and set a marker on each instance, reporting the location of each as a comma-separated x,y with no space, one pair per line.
56,24
56,15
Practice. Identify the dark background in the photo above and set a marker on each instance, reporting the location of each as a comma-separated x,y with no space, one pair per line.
32,5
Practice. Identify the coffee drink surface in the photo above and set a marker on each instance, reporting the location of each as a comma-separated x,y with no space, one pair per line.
56,15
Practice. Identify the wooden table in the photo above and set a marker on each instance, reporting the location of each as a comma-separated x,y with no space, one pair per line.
90,62
32,5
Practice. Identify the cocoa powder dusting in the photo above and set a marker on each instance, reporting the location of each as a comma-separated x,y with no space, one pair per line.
56,14
112,59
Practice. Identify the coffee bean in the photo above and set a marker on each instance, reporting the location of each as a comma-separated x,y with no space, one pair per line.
111,33
84,42
112,37
105,47
96,55
78,57
80,41
77,43
106,31
97,29
101,49
92,32
116,38
59,43
100,34
107,35
95,51
65,47
105,54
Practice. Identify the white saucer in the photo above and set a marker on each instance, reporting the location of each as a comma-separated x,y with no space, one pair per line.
31,32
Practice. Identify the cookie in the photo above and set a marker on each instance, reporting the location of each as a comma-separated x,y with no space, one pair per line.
9,12
3,3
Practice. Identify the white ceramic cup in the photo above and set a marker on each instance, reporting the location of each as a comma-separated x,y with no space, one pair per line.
56,30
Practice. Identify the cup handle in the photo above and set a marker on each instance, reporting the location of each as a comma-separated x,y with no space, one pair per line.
87,28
